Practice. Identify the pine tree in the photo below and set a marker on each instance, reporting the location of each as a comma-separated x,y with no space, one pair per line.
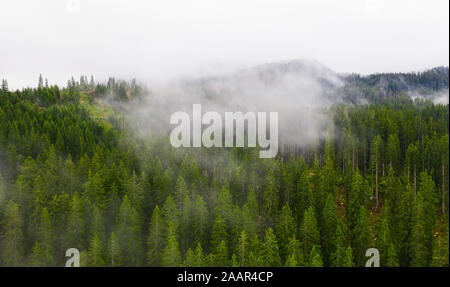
221,255
129,234
424,218
295,256
310,231
403,227
40,82
189,258
186,224
171,256
12,244
224,205
271,198
45,237
218,233
348,259
4,85
199,220
388,256
304,197
285,229
37,256
339,256
315,260
155,240
270,254
250,213
330,222
242,250
199,259
114,252
95,253
361,236
181,190
170,213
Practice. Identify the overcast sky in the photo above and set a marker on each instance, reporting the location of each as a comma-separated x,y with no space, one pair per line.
169,38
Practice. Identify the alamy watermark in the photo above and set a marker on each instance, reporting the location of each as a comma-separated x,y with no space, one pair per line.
374,260
234,126
74,260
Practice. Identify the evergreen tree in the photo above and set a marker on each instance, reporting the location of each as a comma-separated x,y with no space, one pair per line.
295,256
114,252
271,198
221,254
75,233
129,234
95,253
339,257
315,259
242,250
171,256
155,240
310,231
45,238
270,253
388,256
361,236
199,220
285,229
330,222
12,244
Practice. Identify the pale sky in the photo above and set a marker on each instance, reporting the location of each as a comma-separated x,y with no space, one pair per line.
166,39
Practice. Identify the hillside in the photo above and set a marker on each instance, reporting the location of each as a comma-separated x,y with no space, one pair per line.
78,172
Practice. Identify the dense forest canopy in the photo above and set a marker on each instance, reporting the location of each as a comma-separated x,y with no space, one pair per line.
74,175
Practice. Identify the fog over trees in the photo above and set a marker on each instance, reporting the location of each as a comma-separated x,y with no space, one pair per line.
90,166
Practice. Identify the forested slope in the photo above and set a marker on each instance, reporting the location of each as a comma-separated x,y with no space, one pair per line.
73,174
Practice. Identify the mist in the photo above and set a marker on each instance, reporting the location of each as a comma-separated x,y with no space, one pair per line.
167,40
299,91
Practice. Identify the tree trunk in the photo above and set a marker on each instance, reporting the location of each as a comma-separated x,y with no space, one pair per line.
376,181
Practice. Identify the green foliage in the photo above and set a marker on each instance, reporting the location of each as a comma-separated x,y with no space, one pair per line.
171,256
95,253
12,243
73,174
155,240
270,254
310,231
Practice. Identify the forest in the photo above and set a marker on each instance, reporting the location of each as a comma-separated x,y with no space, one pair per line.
73,174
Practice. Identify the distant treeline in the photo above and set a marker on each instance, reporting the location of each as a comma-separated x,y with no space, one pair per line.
384,86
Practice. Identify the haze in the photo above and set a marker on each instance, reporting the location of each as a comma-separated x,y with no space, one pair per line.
161,40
